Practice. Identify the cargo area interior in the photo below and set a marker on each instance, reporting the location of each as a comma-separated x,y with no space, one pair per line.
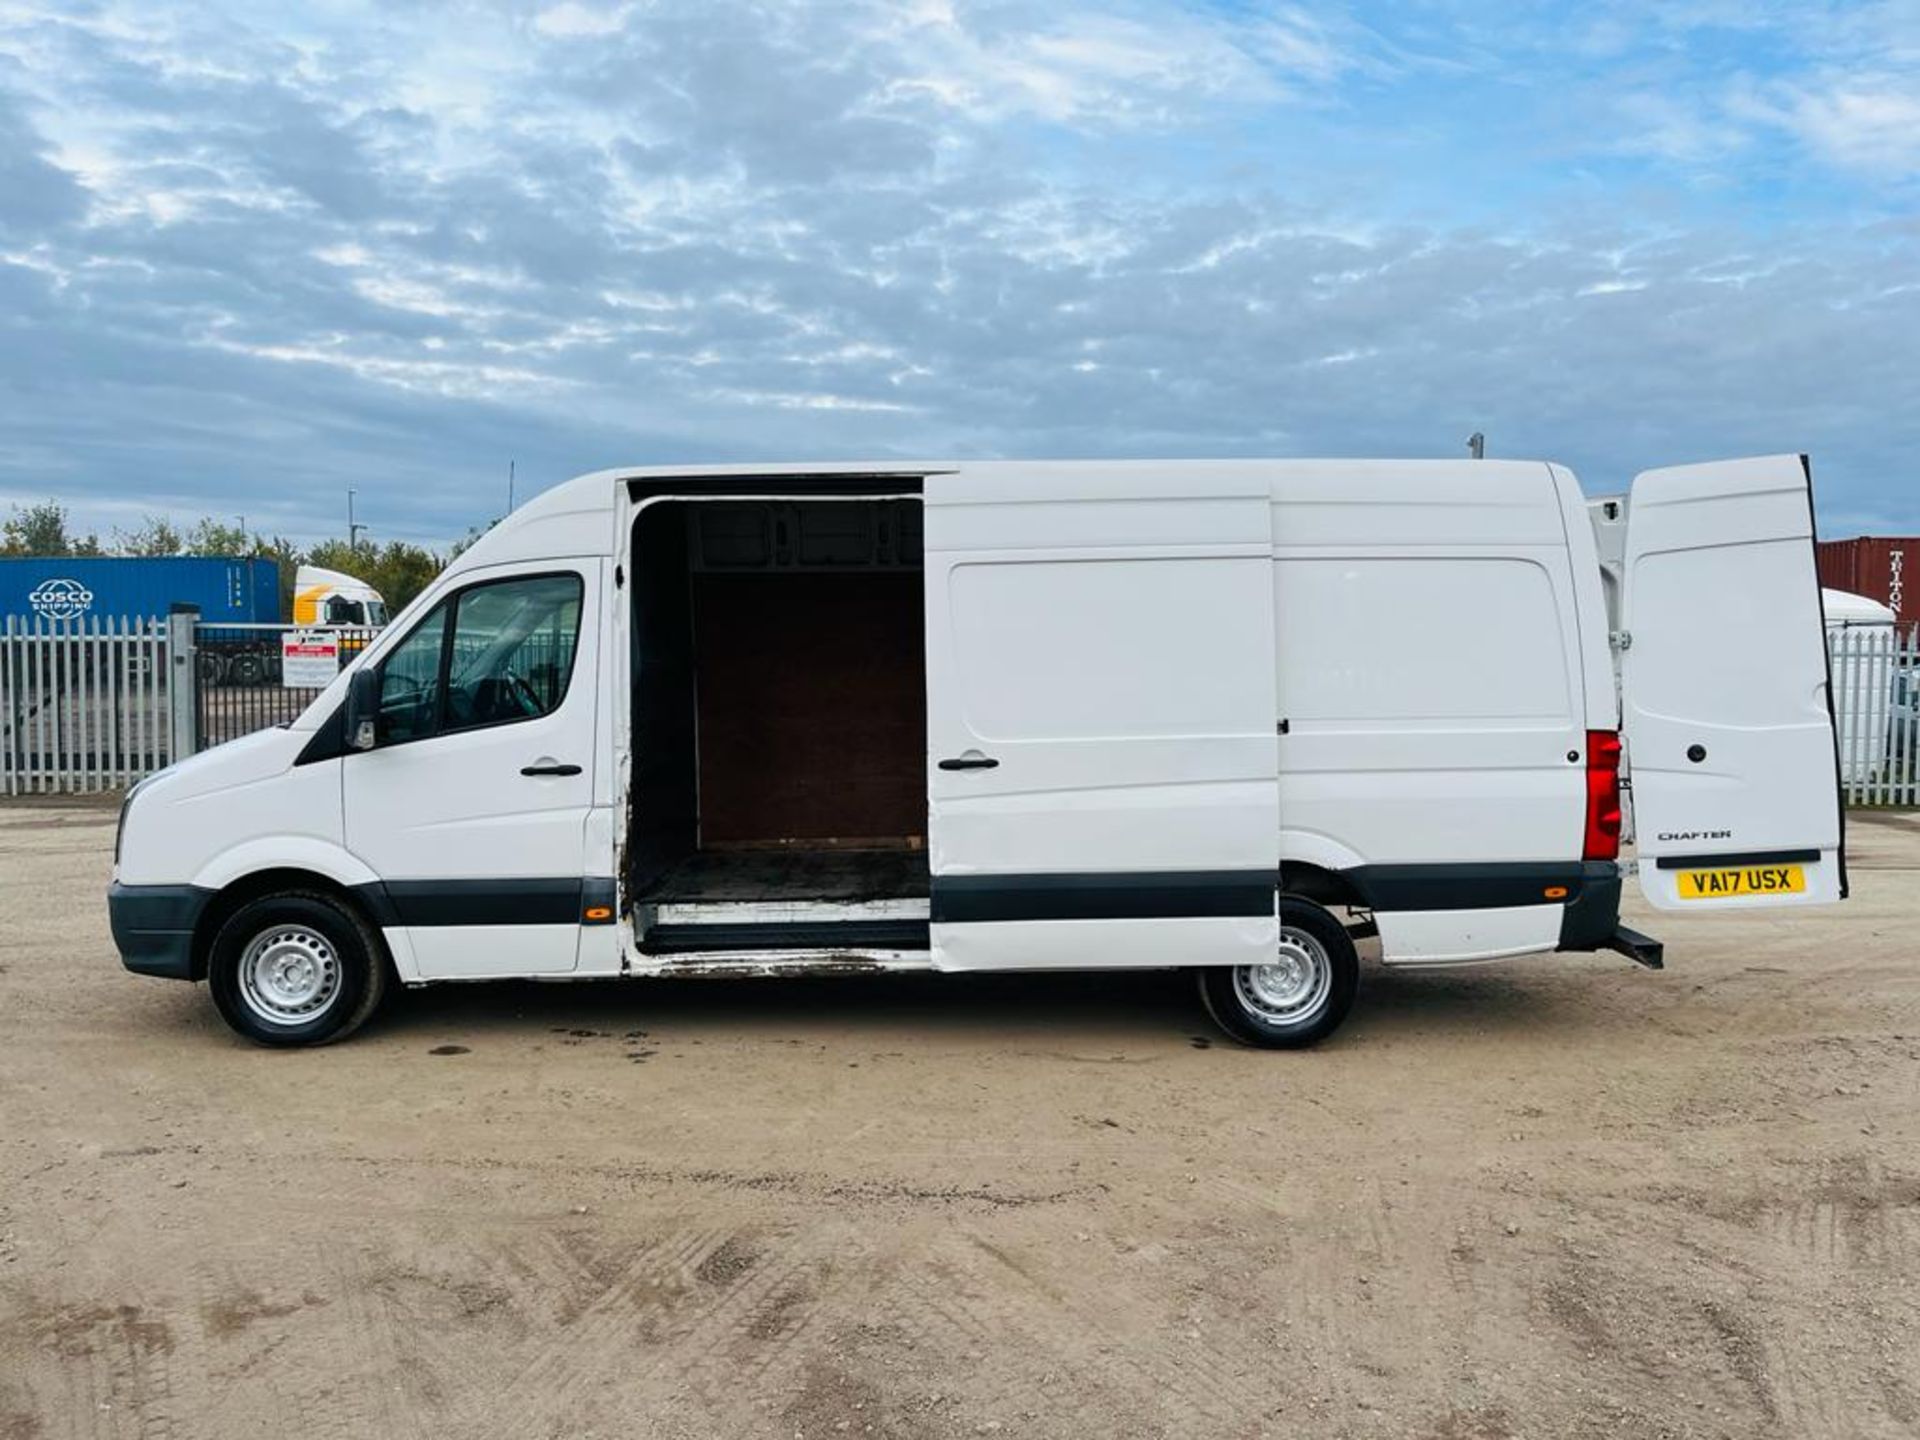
778,793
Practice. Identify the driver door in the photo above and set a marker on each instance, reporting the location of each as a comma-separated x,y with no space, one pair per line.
473,805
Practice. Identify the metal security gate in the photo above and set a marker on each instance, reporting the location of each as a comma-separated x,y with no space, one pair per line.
89,704
1876,708
239,685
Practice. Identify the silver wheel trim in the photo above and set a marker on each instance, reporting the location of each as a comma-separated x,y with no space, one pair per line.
1293,987
289,975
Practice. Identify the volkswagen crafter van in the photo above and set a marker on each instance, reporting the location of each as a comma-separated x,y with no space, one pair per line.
1226,716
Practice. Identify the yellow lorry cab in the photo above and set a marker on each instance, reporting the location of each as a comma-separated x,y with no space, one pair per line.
330,597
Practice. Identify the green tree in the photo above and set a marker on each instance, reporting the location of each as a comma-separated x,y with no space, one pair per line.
339,555
402,571
398,570
156,535
42,530
208,536
466,541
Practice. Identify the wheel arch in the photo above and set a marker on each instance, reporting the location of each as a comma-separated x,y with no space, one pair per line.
1319,884
1316,866
256,885
309,854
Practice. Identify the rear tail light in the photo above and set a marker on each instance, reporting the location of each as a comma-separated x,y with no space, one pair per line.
1603,796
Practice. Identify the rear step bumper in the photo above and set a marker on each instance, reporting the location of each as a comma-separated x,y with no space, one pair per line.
797,935
1641,949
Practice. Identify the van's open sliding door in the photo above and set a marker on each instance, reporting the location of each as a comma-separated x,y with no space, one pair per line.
1103,766
1724,689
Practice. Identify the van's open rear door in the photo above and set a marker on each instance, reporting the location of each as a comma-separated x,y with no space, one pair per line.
1725,697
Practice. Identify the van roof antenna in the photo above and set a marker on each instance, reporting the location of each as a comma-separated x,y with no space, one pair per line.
1477,445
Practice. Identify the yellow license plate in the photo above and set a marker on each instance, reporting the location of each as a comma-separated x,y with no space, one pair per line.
1746,880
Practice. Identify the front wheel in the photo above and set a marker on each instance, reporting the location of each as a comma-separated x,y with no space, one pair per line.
1298,997
297,968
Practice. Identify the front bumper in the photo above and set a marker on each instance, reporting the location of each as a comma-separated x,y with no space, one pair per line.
153,927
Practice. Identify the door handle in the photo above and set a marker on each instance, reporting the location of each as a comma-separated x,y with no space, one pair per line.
549,767
972,760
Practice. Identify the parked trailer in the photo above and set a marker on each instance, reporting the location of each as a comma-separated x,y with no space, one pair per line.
233,590
1216,715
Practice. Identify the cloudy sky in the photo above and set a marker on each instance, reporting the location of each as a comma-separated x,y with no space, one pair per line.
252,254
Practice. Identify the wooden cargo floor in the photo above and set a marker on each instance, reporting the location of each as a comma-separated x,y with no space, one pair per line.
718,876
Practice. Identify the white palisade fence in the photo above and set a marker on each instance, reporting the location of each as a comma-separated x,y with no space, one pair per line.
88,704
1876,710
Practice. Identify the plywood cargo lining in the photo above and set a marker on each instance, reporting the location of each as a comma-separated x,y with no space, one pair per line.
811,709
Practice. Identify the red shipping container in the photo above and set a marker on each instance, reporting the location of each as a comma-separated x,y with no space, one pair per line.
1873,566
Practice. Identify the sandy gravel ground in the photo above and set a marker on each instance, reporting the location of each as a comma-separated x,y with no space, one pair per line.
1557,1198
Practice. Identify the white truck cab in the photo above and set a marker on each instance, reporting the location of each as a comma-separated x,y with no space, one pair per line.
1220,715
332,597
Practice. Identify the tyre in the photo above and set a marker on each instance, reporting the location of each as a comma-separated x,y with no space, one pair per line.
213,667
297,968
1298,998
248,668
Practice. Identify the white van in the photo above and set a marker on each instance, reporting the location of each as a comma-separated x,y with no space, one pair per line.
1221,715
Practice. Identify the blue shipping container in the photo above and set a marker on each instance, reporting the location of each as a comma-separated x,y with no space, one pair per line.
235,591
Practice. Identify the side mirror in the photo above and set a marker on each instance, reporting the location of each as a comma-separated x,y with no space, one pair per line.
363,708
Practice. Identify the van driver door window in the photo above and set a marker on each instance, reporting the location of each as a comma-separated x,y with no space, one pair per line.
473,804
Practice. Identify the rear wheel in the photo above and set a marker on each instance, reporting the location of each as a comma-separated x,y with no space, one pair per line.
1298,997
297,968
